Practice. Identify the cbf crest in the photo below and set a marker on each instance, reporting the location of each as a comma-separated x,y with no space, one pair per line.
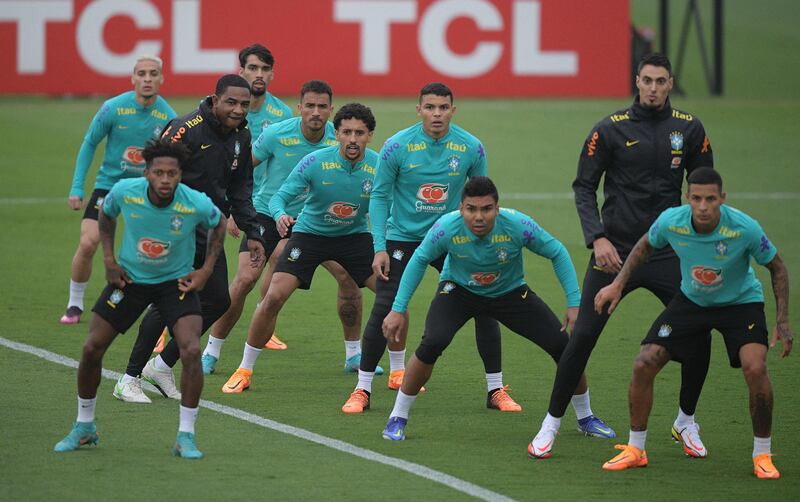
294,254
116,296
722,249
676,141
366,188
398,254
502,255
447,287
453,165
176,223
237,149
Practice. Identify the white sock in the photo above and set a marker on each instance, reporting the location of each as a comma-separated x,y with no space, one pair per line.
187,420
397,360
682,420
76,290
580,402
402,405
365,380
637,439
160,364
86,409
761,446
249,357
551,422
127,378
351,348
214,346
494,381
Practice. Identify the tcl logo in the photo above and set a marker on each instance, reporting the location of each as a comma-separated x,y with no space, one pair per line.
432,193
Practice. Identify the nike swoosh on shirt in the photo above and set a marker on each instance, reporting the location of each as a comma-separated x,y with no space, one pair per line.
328,182
631,142
750,326
525,294
203,147
122,126
291,154
412,166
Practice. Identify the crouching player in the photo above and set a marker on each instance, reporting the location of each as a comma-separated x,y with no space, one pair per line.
482,275
719,290
155,266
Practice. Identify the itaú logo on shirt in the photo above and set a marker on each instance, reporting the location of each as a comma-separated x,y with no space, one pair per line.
706,276
343,210
152,248
483,278
133,155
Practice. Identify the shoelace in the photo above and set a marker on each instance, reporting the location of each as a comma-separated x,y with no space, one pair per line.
360,397
502,397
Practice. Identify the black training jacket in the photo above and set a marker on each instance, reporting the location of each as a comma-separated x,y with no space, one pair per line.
220,164
643,154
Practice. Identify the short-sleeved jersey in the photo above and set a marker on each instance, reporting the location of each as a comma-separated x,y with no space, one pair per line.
281,146
128,126
158,244
491,265
273,110
338,193
715,267
419,179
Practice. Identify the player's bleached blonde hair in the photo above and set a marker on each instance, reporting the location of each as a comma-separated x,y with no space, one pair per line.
149,57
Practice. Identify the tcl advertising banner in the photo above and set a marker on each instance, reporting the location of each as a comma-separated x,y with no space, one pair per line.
372,47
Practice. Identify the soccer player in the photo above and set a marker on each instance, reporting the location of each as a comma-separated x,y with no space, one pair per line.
331,226
128,121
422,171
482,275
155,266
280,147
642,152
220,166
714,243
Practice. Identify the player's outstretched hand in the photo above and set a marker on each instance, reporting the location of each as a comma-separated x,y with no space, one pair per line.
283,224
116,275
784,332
606,256
380,265
569,319
256,253
393,326
75,202
194,281
233,230
609,294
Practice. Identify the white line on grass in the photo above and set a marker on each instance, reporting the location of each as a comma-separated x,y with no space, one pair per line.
10,201
410,467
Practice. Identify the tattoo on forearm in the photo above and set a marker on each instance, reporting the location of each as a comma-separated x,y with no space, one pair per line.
107,228
638,255
216,237
780,287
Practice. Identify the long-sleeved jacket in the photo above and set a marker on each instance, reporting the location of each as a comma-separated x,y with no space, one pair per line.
643,154
220,164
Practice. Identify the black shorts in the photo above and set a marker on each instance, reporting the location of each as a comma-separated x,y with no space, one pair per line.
305,252
121,307
92,211
684,324
269,234
520,310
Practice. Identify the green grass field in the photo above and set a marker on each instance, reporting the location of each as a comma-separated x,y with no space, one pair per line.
533,147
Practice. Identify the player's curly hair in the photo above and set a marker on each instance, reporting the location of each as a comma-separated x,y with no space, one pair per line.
355,111
165,148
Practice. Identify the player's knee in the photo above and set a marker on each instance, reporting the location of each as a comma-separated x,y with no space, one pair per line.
648,362
273,302
428,353
92,351
87,246
754,369
244,281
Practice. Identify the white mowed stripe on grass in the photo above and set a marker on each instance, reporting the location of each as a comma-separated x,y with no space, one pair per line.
410,467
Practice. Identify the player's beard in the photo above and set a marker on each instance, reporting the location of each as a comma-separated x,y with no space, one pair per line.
257,93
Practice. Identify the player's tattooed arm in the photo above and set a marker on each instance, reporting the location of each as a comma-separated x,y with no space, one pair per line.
780,288
107,228
613,292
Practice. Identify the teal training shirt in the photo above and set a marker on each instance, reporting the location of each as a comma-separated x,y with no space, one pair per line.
280,147
419,179
273,110
158,244
128,126
491,265
715,267
338,193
